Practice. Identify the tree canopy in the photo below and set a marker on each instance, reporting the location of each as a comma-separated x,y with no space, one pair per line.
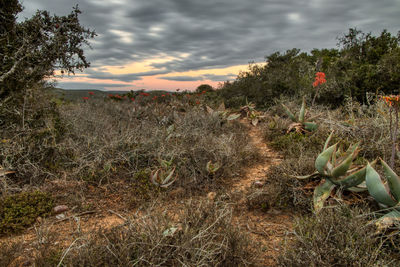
32,50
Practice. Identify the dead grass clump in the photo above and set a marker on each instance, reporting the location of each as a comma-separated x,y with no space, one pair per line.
282,191
201,236
335,237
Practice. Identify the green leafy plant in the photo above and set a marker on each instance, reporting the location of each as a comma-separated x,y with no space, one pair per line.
335,167
212,167
249,110
164,176
385,191
300,125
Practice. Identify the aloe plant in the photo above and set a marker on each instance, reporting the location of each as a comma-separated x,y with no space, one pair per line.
251,113
163,178
385,191
335,166
222,112
299,124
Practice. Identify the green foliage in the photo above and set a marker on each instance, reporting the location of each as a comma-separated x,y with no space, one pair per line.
284,74
363,65
204,88
21,210
299,123
31,50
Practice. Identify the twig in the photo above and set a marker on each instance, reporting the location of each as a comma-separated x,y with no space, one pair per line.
119,215
77,215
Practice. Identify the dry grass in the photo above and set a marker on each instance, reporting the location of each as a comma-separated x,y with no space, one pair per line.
99,142
336,237
201,234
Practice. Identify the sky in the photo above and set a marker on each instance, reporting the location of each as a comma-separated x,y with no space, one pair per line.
170,44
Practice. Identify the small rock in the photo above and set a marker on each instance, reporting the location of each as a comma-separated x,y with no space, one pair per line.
258,184
60,216
211,196
60,208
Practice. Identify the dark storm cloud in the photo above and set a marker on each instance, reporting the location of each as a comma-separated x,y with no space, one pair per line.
211,77
216,33
82,85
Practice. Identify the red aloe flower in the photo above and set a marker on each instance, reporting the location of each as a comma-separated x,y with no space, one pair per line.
319,79
163,95
133,99
85,98
91,93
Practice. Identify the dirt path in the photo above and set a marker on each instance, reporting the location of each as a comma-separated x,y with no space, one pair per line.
266,229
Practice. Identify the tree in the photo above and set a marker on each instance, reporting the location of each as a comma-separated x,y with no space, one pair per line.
30,51
204,87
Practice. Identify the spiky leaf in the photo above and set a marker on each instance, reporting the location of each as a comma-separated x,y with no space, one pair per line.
305,176
289,113
323,158
393,180
327,141
310,126
344,166
321,193
377,188
302,110
233,116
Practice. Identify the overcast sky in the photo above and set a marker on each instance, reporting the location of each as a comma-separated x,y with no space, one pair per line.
169,44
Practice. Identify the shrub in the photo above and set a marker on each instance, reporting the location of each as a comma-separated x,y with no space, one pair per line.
335,237
21,210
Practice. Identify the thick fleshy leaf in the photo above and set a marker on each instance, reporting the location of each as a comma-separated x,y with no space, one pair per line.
352,180
233,116
169,176
289,113
221,107
310,126
388,220
300,177
209,110
342,168
377,188
328,140
393,180
356,189
302,110
355,179
352,150
321,193
323,159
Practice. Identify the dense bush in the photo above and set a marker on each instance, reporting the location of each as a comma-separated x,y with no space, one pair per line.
21,210
363,65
